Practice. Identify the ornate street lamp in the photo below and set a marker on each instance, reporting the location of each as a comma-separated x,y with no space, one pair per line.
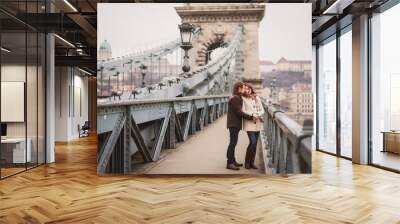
273,93
130,61
149,88
187,31
134,77
117,75
134,93
161,85
143,69
101,79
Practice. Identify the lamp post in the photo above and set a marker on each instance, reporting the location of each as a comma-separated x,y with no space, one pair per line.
187,31
101,80
130,61
109,79
151,68
109,84
123,77
273,93
143,69
134,74
117,75
159,69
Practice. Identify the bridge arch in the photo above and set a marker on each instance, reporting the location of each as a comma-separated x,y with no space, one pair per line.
218,23
204,54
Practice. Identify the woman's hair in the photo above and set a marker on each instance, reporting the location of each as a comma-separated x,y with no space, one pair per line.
236,87
251,88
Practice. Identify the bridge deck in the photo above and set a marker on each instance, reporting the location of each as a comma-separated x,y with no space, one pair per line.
205,153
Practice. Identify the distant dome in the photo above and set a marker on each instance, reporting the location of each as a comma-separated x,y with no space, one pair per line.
104,51
282,60
105,46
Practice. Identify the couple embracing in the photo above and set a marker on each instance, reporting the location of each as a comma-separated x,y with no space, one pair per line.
245,112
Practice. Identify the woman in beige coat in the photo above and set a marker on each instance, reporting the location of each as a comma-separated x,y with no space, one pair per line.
252,106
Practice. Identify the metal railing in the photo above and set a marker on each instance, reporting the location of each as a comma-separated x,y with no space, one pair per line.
148,126
286,145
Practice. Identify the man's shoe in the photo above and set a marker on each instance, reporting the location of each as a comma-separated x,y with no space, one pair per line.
251,160
247,159
252,166
232,166
237,164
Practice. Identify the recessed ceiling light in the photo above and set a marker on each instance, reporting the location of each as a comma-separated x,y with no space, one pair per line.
5,50
64,40
84,71
338,6
70,5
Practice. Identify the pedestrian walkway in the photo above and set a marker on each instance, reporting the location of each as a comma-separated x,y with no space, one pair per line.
205,153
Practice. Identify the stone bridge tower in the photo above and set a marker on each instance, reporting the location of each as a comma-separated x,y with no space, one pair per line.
218,23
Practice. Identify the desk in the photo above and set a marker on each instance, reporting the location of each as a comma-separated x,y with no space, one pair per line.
13,150
391,141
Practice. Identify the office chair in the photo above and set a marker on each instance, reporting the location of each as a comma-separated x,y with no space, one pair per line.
84,130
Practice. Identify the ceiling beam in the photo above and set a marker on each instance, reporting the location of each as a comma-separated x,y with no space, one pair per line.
89,30
77,61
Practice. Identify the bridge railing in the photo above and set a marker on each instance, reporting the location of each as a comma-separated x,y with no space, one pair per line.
145,127
286,145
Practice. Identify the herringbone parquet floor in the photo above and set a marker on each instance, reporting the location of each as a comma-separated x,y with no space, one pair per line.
70,191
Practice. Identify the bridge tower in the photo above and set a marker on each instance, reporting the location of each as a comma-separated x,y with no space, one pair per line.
218,24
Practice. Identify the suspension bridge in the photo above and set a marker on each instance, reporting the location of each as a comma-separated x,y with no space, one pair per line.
169,122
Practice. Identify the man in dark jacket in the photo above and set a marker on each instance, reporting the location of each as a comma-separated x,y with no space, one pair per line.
234,124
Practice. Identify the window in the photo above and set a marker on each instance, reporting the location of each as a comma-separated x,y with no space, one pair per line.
346,94
385,89
327,96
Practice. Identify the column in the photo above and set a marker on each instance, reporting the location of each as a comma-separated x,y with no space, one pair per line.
360,90
50,98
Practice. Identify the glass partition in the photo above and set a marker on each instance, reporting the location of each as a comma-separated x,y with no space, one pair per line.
22,67
14,153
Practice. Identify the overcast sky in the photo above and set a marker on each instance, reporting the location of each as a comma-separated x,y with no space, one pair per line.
284,31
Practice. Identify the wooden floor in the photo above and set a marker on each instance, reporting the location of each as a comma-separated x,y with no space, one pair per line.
70,191
5,172
386,159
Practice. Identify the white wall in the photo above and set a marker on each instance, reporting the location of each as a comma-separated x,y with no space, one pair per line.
12,73
71,94
33,126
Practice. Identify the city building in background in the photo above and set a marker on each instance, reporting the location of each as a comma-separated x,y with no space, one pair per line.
287,85
293,65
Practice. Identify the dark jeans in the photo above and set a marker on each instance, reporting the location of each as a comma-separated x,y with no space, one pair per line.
253,138
233,139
